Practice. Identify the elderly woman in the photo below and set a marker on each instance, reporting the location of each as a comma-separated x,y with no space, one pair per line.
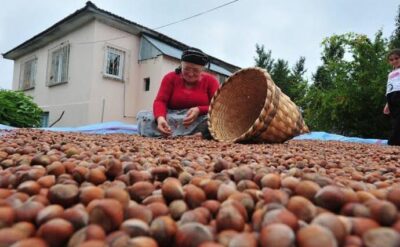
182,102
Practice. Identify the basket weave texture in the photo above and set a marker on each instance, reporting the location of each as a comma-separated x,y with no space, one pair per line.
249,107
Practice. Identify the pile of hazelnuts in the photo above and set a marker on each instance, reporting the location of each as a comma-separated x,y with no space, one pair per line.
74,189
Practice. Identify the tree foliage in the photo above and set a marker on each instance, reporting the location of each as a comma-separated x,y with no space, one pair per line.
18,109
290,81
395,38
348,93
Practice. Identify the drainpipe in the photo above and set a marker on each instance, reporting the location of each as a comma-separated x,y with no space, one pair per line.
102,110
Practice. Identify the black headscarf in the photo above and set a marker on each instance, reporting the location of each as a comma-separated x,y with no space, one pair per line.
193,55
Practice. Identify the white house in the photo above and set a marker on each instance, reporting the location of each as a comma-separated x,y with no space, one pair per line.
94,66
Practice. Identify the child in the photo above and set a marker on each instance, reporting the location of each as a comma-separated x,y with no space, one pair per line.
392,106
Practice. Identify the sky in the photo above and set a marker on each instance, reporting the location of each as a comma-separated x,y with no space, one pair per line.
289,28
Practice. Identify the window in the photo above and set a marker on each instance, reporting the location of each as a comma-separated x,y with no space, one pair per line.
114,63
58,71
147,84
28,74
45,119
222,79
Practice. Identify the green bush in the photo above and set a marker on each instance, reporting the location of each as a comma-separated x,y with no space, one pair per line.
19,110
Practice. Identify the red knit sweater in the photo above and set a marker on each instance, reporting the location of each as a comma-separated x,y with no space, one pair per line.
175,96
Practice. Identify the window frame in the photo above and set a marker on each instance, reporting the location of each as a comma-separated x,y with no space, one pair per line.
63,76
121,69
146,84
32,74
44,121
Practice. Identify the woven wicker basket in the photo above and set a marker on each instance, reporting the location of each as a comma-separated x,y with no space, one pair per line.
249,107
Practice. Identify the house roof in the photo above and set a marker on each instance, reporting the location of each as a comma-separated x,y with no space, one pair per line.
90,12
171,51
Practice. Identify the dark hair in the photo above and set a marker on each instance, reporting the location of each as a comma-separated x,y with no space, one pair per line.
178,70
194,55
395,51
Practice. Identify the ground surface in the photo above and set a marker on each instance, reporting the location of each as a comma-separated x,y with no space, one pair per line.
124,190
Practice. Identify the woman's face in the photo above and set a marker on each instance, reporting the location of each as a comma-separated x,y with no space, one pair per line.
394,60
191,72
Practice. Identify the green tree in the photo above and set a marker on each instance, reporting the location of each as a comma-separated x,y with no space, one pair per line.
291,82
348,93
395,38
18,109
300,85
263,59
281,74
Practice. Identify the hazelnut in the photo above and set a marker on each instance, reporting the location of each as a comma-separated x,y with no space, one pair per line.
330,197
90,232
56,168
382,236
225,236
93,243
30,242
211,188
48,213
361,225
108,213
172,189
117,239
56,232
28,229
137,211
302,208
142,242
177,208
192,235
90,193
140,190
315,235
163,230
229,217
96,176
9,236
279,235
283,216
47,181
383,212
29,187
28,211
158,209
244,237
7,216
64,194
307,188
135,227
194,196
77,216
118,194
271,180
334,224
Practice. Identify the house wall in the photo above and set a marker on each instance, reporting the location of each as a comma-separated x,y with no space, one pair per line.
155,69
72,97
111,99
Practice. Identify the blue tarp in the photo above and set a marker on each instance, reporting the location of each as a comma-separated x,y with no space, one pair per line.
100,128
324,136
123,128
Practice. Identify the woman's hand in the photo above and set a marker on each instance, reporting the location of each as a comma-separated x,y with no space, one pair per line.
191,116
386,109
163,127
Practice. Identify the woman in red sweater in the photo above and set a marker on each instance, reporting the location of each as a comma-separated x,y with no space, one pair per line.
182,102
